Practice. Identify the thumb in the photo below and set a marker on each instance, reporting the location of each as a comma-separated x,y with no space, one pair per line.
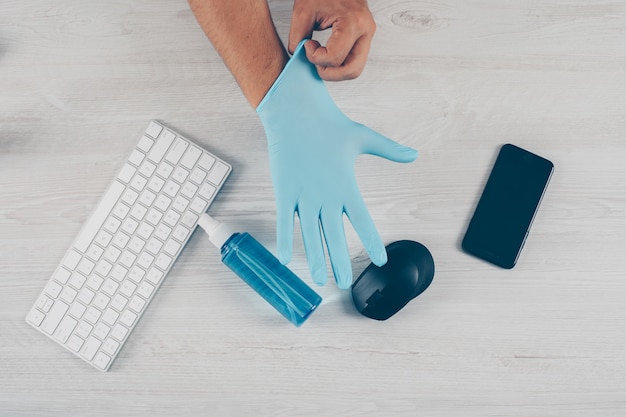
379,145
302,25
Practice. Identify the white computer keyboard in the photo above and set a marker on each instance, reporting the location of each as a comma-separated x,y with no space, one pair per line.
108,276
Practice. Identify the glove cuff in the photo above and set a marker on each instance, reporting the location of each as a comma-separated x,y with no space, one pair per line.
298,76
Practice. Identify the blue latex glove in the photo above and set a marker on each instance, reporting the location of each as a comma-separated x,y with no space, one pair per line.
312,149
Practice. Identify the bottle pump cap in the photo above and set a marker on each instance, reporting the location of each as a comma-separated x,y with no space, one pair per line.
218,232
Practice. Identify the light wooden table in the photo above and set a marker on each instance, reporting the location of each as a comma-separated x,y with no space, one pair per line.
79,81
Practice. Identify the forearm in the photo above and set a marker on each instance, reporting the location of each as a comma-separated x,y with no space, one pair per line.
244,35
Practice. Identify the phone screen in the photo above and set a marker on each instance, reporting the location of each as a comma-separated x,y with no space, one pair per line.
507,207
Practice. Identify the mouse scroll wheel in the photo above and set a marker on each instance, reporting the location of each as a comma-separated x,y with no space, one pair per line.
374,298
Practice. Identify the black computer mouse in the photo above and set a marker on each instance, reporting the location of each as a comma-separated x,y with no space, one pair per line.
380,292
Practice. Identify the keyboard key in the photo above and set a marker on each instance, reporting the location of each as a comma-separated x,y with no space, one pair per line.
217,175
121,240
130,226
199,205
94,252
156,184
101,301
127,288
191,156
138,212
86,295
145,290
53,289
54,317
207,191
128,318
181,233
197,176
126,173
154,246
171,188
206,162
145,143
147,169
110,286
189,220
162,202
154,130
112,254
94,282
110,346
171,218
75,343
119,332
101,360
110,316
154,276
91,348
171,247
130,197
68,294
112,224
180,145
99,216
136,157
65,329
77,310
71,259
121,210
92,315
163,261
138,182
180,175
145,260
189,190
147,198
62,275
36,317
161,146
44,303
165,170
136,304
136,274
101,331
85,266
83,329
163,232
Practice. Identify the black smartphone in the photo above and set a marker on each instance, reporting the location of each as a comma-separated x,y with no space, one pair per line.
507,206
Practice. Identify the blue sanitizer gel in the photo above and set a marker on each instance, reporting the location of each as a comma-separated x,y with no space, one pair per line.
273,281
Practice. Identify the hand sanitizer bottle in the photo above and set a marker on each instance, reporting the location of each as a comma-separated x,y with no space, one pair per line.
246,257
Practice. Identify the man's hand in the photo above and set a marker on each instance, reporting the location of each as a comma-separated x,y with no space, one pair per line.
345,53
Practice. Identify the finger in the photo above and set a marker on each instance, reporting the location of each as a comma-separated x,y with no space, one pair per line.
338,46
332,225
366,230
313,247
284,231
302,25
376,144
351,67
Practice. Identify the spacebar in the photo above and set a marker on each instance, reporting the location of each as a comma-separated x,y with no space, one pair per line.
94,224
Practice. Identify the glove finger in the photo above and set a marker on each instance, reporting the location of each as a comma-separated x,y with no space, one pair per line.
379,145
284,231
366,229
313,247
334,234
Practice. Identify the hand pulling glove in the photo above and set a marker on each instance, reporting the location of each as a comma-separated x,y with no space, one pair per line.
312,149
